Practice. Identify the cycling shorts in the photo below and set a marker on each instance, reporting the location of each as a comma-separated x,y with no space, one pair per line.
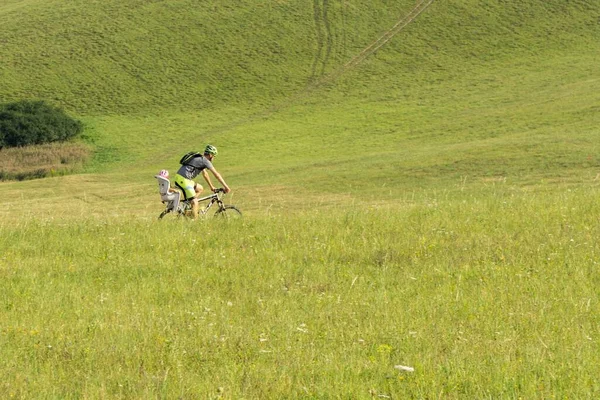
186,186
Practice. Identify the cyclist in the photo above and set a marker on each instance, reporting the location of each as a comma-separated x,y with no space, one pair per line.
191,169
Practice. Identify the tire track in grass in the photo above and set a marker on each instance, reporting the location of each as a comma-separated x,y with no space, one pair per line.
319,33
324,38
380,41
316,83
328,36
344,23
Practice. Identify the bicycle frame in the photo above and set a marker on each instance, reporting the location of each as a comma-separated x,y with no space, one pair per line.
214,198
185,207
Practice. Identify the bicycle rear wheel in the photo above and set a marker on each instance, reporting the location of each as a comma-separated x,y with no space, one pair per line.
162,214
183,211
228,212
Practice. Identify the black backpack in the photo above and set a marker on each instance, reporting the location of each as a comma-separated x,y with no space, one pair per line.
185,160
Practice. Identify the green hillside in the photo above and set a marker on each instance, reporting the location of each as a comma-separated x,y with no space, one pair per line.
494,91
115,57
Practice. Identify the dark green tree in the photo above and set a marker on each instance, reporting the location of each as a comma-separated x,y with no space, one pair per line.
30,122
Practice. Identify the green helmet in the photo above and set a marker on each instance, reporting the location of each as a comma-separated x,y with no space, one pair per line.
210,149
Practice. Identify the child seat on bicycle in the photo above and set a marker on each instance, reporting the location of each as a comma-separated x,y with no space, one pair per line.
168,195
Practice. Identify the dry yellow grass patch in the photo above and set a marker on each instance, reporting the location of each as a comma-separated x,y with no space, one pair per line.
40,161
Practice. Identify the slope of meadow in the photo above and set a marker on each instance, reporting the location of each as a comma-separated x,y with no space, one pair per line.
466,92
115,57
434,206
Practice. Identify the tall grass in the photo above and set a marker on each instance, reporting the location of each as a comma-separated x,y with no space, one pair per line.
485,296
41,161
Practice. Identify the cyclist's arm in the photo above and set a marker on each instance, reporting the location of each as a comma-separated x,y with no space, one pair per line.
220,179
207,179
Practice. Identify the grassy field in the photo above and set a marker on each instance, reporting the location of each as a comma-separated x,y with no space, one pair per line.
491,295
435,206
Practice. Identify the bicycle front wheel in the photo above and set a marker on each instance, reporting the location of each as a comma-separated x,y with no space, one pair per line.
228,212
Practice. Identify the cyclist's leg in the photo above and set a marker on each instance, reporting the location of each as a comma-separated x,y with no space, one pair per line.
195,205
187,186
198,189
195,208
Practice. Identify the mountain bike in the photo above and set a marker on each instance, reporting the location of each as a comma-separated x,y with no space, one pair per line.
184,207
